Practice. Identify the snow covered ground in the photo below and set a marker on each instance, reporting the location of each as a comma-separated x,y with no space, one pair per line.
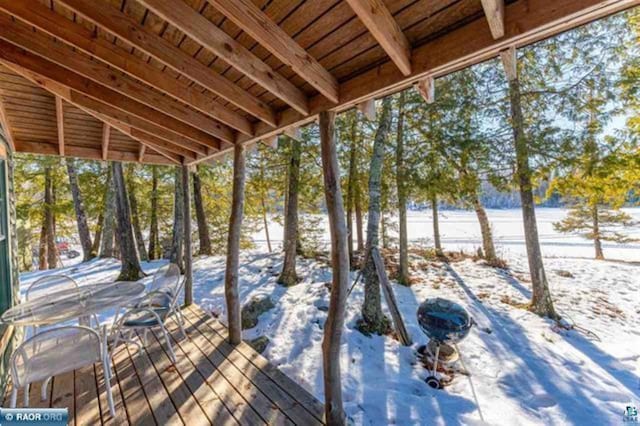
522,372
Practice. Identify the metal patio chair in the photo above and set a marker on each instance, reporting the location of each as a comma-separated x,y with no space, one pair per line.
158,306
57,351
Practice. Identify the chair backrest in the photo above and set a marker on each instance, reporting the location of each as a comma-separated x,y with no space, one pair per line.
49,284
166,278
55,351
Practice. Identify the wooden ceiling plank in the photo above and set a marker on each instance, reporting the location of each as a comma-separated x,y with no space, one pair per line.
260,27
380,23
101,110
124,27
106,133
60,124
199,28
53,72
81,38
494,12
40,44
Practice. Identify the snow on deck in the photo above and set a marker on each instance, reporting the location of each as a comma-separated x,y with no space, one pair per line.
523,372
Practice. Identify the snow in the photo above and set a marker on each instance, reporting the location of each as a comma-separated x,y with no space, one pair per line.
524,371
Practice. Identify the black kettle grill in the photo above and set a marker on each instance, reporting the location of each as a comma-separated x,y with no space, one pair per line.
444,322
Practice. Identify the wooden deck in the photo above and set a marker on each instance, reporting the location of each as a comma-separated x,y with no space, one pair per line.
211,383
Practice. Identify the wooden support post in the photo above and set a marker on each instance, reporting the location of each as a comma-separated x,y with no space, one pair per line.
60,122
233,247
426,88
368,108
510,63
188,261
293,132
334,413
271,141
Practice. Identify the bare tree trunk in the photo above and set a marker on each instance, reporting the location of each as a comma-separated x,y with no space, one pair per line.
436,226
401,172
233,247
541,302
485,229
334,412
154,245
177,243
95,248
188,264
49,219
288,276
351,184
130,269
137,231
359,220
201,217
42,249
374,321
265,221
107,245
81,217
596,234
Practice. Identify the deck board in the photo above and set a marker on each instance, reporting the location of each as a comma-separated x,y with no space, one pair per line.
212,382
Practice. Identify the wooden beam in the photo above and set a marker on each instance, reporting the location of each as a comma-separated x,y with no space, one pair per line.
42,45
271,141
101,111
332,341
510,63
44,148
494,12
106,133
56,25
293,132
81,85
526,22
427,89
6,126
368,108
199,28
231,293
141,152
378,20
60,124
261,28
121,25
188,251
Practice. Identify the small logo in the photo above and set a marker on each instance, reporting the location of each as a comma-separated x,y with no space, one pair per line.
8,417
630,414
34,416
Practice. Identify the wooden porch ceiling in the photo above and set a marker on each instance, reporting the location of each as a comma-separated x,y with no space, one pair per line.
180,81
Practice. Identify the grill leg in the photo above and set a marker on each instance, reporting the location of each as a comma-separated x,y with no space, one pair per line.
435,361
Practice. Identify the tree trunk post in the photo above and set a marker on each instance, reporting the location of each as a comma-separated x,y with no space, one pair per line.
541,302
81,217
233,247
177,247
351,183
130,270
485,229
49,219
334,413
288,276
153,225
596,234
106,244
133,202
188,261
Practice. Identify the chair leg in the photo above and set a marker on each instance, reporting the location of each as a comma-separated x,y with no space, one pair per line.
179,321
14,397
43,389
26,395
144,337
106,368
168,341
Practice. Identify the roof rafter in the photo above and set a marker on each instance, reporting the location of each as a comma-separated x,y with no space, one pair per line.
6,126
42,45
260,27
60,124
18,56
77,36
494,12
124,27
380,23
199,28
